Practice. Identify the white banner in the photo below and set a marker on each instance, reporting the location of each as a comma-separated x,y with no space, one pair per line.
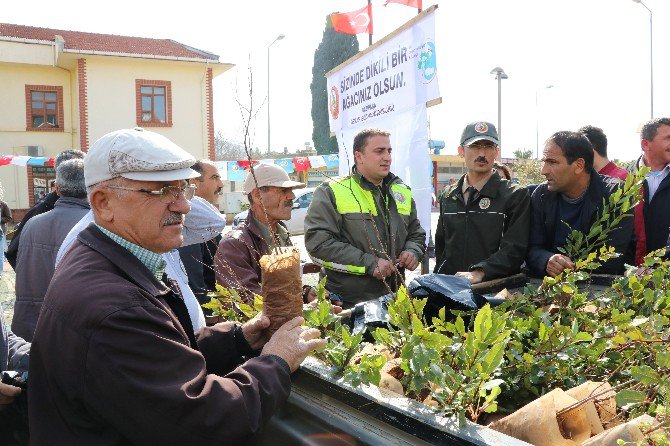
399,74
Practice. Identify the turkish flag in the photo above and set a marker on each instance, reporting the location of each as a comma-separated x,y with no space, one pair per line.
244,164
355,22
301,164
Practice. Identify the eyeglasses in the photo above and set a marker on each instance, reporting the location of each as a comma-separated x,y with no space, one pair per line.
166,194
489,146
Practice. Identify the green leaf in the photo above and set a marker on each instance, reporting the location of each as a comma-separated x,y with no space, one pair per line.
213,304
493,359
663,359
619,339
626,397
346,337
483,323
461,419
382,336
321,289
460,326
581,337
417,325
645,374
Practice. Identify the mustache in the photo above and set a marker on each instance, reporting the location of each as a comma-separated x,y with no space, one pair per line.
218,190
173,219
288,203
481,159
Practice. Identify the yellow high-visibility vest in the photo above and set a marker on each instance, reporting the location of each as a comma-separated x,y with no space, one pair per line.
351,198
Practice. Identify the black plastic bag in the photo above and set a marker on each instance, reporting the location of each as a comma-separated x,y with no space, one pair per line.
444,291
371,314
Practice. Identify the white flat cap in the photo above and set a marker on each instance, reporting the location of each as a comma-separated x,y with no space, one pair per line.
137,154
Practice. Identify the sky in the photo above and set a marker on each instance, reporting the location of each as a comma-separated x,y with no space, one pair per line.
594,54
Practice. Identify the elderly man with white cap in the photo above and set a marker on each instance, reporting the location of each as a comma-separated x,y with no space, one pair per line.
114,358
270,193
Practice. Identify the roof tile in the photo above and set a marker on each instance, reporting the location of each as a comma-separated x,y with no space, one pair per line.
75,40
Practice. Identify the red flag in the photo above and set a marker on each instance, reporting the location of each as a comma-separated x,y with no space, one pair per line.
5,159
355,22
301,164
411,3
50,162
244,164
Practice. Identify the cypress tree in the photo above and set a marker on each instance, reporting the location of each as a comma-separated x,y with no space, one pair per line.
334,49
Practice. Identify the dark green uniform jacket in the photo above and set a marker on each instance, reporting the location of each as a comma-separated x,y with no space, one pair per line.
490,234
351,223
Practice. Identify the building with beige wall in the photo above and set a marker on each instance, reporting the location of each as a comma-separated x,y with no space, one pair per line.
64,89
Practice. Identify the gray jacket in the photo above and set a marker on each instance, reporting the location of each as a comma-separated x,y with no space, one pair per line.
40,240
14,351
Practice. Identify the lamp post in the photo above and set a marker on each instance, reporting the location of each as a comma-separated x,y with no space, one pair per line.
279,37
500,75
651,53
537,122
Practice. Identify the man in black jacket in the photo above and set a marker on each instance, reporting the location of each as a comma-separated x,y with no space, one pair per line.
482,232
572,194
44,205
655,143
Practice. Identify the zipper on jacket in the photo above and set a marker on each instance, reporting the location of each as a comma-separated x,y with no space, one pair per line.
467,227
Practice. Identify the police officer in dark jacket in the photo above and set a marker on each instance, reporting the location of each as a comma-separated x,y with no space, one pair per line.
482,232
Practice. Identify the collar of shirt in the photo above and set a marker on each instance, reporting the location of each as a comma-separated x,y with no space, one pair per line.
479,185
281,235
654,180
655,173
155,262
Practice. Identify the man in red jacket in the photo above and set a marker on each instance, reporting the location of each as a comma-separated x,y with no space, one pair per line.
604,166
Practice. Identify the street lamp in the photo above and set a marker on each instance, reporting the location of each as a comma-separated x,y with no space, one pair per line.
537,123
651,54
500,75
279,37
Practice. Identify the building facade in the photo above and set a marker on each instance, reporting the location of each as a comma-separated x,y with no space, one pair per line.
65,89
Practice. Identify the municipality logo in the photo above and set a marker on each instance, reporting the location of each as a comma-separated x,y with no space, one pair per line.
481,127
427,65
400,198
334,103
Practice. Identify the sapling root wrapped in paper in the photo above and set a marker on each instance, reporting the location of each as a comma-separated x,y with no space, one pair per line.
282,286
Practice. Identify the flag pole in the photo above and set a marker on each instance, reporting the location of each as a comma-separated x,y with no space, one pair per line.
370,11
